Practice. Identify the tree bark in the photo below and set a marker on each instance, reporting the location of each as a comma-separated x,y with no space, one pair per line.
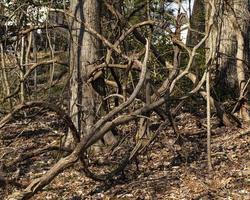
84,54
241,25
233,52
229,74
197,23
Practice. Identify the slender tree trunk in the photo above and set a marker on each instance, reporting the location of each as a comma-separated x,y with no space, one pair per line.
22,69
6,86
35,60
211,45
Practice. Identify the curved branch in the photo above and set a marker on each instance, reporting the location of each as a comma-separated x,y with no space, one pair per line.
96,133
132,96
81,147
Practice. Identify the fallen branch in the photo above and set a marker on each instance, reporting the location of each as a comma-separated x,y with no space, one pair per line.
95,134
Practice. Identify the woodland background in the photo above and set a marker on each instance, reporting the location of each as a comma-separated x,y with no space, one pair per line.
124,99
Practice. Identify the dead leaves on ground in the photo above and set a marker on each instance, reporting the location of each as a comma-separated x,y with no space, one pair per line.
169,169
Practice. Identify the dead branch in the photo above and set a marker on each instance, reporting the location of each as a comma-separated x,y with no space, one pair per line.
97,132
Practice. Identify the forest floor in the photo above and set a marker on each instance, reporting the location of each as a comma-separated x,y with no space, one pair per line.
171,168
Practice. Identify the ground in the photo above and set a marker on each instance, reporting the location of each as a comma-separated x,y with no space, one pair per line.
173,167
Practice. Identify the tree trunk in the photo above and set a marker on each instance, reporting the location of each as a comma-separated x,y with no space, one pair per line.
233,52
84,54
241,25
229,74
225,82
197,23
22,71
5,80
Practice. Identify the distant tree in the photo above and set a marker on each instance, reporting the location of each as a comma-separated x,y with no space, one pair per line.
197,22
